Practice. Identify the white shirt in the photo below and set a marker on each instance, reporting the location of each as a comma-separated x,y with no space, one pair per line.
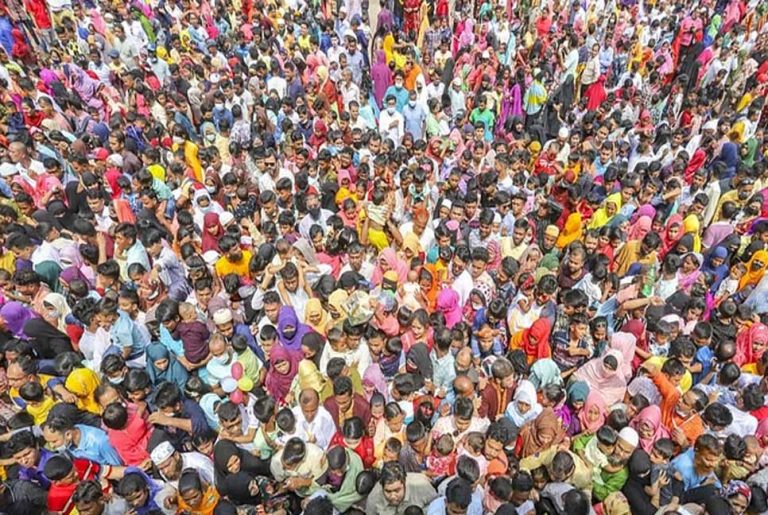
366,270
463,286
194,460
321,427
393,133
427,238
278,84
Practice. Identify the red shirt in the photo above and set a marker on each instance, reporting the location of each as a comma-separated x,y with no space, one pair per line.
131,442
364,449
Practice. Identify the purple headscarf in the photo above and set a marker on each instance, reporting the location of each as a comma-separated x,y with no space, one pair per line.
72,273
15,315
287,317
644,210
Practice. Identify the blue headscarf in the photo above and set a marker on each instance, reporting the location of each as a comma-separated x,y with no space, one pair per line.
719,272
174,373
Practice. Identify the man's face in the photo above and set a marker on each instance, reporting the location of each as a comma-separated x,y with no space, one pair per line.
493,448
90,507
394,493
575,263
344,401
706,461
171,468
310,409
477,268
291,284
623,450
458,266
271,311
27,457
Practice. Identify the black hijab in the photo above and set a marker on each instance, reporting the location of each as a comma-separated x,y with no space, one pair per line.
639,477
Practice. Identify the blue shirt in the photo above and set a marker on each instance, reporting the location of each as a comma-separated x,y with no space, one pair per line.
400,94
94,445
684,465
125,334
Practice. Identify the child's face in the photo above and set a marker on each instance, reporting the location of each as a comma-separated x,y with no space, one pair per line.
377,410
605,448
389,455
736,273
657,458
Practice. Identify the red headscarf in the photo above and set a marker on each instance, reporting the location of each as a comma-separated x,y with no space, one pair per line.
211,241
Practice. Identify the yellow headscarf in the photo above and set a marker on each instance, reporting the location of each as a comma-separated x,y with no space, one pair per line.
412,243
752,277
338,300
82,382
691,225
601,217
571,230
310,376
314,307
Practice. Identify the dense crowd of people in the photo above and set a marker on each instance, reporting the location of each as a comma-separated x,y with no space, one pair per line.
273,256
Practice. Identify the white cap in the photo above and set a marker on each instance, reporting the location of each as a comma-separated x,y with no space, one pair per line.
226,218
711,125
563,132
630,436
162,452
486,55
210,257
8,169
214,78
115,159
222,316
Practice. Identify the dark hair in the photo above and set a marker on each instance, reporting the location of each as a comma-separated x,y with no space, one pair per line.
115,416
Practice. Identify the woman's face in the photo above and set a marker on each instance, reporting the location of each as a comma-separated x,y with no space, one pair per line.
418,329
738,504
689,265
546,438
192,497
673,232
212,229
610,208
282,367
308,353
593,414
523,407
645,430
161,364
384,265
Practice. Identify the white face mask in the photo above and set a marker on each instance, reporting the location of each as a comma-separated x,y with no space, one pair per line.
391,110
53,313
219,106
412,103
398,84
117,380
221,360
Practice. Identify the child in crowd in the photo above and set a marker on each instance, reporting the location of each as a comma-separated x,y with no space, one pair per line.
473,446
128,432
442,461
194,336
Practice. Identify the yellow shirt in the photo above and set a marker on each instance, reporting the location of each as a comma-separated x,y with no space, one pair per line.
225,267
39,410
157,171
8,262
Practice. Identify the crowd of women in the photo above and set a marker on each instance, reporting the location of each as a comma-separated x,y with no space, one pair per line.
273,256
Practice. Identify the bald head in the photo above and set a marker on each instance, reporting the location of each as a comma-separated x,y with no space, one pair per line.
463,386
309,397
464,359
309,403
